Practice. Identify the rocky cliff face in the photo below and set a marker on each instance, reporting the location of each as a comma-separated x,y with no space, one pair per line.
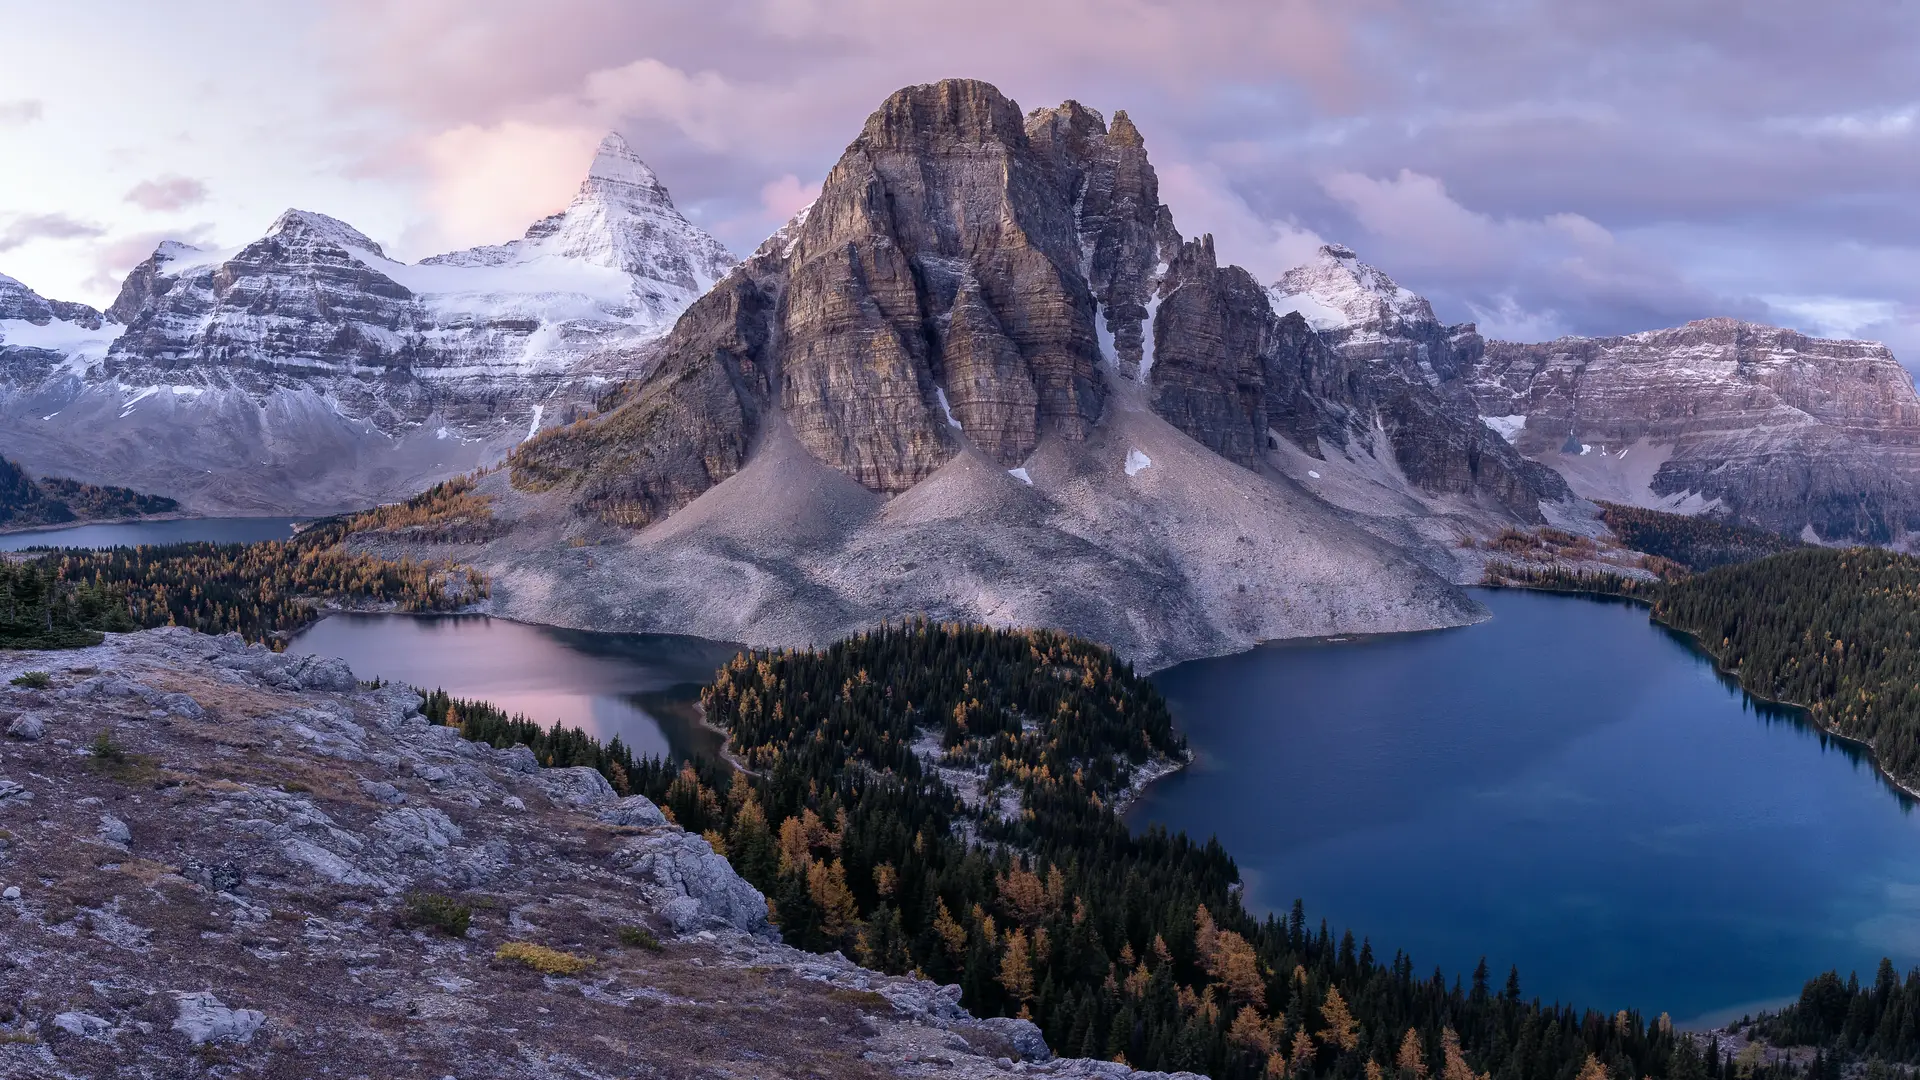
246,364
1404,369
982,377
238,882
1766,425
971,279
41,339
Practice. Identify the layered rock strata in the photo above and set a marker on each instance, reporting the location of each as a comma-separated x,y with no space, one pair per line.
1799,435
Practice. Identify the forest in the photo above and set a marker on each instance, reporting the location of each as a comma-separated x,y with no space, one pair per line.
25,501
1878,1021
1694,541
1828,630
869,820
40,611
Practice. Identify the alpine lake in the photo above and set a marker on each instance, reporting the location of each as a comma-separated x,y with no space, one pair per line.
1565,787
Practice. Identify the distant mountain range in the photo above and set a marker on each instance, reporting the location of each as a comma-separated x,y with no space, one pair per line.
308,372
983,376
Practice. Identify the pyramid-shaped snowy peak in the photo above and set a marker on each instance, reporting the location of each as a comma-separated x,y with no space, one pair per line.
1336,291
622,218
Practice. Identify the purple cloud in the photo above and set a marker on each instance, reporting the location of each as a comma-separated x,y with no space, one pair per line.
20,113
27,228
168,193
1548,166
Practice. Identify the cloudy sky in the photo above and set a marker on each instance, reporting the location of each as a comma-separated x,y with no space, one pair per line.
1540,166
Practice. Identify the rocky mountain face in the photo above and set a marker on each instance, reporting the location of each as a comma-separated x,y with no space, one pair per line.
972,278
983,377
246,367
41,338
211,854
1795,434
1405,367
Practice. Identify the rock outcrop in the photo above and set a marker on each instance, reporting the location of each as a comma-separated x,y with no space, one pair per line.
1799,435
245,878
307,371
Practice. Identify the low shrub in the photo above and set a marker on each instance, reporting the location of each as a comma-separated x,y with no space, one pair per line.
32,680
442,913
639,937
542,959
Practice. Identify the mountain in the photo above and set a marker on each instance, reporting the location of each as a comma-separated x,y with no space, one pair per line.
309,371
1800,435
1404,368
982,377
40,338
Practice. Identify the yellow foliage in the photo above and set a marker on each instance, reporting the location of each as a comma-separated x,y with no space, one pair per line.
542,959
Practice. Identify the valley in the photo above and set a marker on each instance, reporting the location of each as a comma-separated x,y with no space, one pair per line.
1013,540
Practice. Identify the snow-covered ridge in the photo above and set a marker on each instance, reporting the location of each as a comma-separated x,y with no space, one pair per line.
1337,291
616,268
77,332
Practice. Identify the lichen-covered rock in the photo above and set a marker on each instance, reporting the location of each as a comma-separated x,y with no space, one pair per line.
578,787
203,1019
27,726
706,894
332,917
634,810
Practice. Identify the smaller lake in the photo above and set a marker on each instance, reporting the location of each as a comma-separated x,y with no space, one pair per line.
232,530
641,687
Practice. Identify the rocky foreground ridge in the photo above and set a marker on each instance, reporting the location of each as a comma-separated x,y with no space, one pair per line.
210,863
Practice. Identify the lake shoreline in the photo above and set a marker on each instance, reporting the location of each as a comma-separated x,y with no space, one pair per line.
80,523
1693,641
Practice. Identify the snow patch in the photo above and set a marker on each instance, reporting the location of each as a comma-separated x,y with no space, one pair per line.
1020,474
534,427
1146,336
1337,291
1507,427
1313,474
1136,461
940,392
1318,315
126,408
59,335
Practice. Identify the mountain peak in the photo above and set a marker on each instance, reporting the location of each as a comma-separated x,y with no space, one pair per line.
1337,291
320,226
616,162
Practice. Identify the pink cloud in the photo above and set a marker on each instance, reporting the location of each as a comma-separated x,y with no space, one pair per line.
787,196
168,193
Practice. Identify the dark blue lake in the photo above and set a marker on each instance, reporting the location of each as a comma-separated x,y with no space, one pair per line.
1566,787
243,530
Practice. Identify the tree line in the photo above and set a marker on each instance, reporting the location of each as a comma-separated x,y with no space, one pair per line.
1694,541
55,501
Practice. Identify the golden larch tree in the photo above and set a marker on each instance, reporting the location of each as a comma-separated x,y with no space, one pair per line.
1342,1029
